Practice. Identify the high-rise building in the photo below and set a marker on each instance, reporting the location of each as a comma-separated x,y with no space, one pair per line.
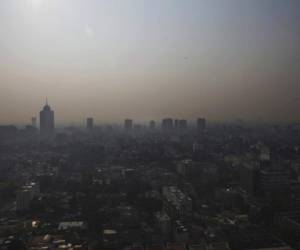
182,124
33,122
47,121
128,124
201,123
167,124
89,123
152,125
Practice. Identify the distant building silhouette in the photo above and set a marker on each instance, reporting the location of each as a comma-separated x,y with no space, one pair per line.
128,124
47,121
182,124
167,124
152,124
90,123
201,124
33,122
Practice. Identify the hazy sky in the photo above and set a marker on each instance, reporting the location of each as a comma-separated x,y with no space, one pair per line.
222,59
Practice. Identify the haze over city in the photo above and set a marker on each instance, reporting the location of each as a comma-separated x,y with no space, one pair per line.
149,125
145,60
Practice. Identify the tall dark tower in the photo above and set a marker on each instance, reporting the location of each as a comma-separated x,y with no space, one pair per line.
33,122
167,124
47,121
128,124
90,124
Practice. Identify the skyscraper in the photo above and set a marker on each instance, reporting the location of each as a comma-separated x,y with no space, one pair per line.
90,124
128,124
47,121
33,122
152,125
167,124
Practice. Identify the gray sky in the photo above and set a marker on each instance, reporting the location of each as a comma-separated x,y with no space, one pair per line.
222,59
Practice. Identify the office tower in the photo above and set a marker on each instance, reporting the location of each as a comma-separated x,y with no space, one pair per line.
182,124
167,124
47,121
152,125
128,124
90,124
33,122
201,123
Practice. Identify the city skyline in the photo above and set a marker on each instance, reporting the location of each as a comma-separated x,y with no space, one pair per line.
223,60
150,124
195,121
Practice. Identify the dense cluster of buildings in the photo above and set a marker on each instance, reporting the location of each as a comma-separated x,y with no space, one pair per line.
230,186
